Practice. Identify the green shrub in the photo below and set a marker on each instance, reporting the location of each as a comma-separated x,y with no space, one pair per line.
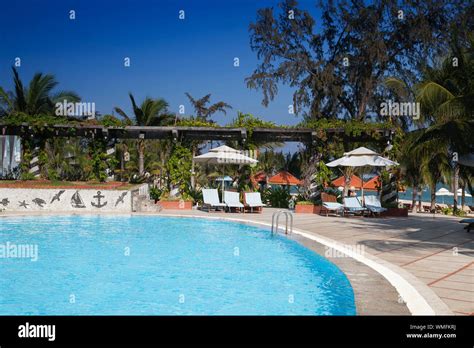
196,195
304,203
155,193
277,197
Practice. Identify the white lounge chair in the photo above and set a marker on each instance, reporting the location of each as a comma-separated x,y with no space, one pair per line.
373,204
352,205
211,199
254,200
330,204
334,207
232,200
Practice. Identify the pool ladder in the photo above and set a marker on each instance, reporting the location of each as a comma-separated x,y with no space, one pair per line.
276,218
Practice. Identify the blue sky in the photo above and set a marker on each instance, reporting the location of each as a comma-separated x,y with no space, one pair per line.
168,56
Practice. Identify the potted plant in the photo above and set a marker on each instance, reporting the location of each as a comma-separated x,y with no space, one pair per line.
307,207
180,202
394,210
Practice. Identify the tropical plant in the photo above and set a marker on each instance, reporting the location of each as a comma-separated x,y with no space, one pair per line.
36,99
277,197
155,193
151,112
446,96
205,111
179,168
35,102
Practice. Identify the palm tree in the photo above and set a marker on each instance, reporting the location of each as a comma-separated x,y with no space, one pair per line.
203,111
151,112
36,99
446,96
410,167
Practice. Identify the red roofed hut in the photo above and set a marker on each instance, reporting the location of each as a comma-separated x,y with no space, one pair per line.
284,178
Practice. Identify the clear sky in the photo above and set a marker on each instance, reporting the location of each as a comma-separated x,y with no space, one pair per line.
168,56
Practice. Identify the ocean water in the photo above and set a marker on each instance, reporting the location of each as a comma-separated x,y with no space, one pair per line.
426,196
147,265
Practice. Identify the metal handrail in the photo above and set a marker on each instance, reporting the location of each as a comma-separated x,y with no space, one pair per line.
276,219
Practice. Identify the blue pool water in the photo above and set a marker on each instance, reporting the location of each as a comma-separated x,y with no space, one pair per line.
147,265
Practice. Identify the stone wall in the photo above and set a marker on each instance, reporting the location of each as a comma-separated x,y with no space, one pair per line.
65,200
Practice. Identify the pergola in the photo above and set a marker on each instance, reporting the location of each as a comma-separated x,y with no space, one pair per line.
277,134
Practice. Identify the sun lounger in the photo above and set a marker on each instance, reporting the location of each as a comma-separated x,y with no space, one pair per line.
253,200
232,200
330,204
352,205
373,204
469,222
211,199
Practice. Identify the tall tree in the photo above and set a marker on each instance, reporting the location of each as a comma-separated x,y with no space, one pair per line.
336,70
151,112
447,102
205,111
35,99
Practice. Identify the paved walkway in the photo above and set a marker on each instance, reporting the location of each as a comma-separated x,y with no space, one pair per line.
436,251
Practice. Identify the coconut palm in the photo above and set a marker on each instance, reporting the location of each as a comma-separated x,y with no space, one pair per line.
447,96
203,111
35,99
151,112
446,125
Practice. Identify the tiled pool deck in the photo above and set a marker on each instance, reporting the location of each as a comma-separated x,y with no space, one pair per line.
433,252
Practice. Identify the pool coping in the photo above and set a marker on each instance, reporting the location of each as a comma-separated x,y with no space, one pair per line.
418,297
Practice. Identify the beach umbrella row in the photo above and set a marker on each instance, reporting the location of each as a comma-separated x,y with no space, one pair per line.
362,157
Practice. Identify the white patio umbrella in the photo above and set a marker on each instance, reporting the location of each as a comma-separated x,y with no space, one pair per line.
224,155
466,194
442,192
362,157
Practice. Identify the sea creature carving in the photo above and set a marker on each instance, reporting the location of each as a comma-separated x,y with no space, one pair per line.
23,204
39,202
5,202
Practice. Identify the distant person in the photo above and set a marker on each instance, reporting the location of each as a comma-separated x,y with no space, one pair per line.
352,192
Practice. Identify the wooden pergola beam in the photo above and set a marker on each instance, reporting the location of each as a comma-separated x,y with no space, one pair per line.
180,133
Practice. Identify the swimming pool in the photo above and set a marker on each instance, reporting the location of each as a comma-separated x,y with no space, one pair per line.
148,265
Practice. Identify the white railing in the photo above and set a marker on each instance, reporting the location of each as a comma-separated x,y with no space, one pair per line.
144,190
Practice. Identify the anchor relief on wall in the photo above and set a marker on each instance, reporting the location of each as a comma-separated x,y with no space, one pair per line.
99,197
